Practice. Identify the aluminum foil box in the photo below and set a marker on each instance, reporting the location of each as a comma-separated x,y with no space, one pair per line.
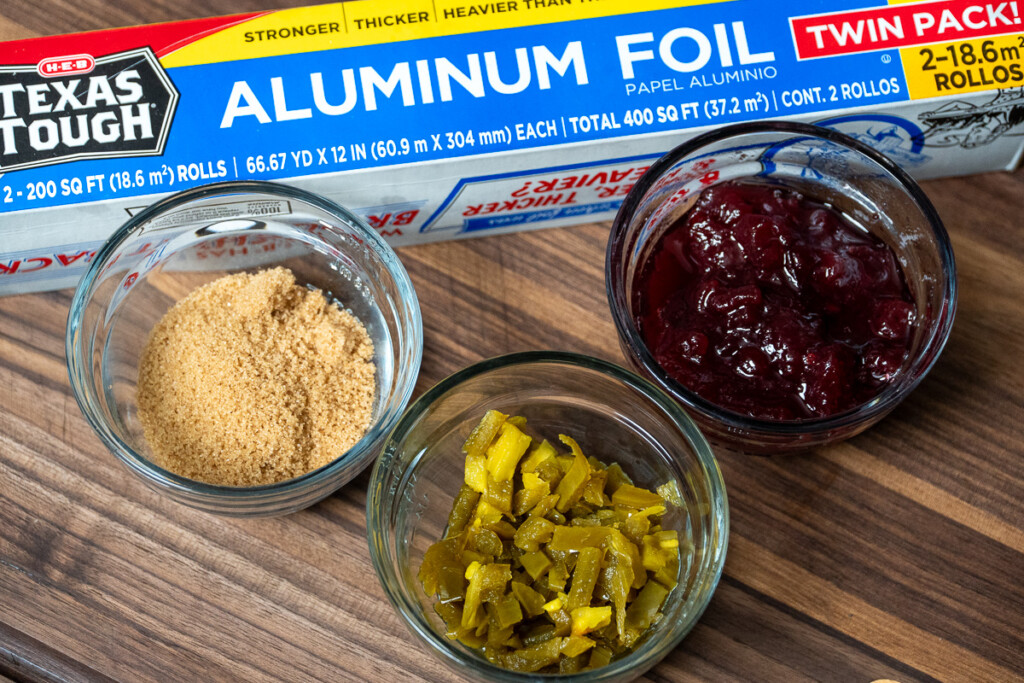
438,119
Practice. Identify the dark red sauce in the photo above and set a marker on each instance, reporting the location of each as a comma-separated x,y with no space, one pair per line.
775,306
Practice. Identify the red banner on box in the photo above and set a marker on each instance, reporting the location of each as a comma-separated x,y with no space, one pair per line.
893,26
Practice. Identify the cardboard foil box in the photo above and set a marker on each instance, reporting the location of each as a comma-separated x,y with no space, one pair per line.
438,119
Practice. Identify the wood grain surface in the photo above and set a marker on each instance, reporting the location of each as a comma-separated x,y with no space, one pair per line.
897,555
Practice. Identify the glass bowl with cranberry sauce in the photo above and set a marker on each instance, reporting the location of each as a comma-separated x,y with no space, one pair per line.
785,283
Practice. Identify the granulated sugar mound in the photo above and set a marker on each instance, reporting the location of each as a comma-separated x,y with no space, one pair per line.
253,379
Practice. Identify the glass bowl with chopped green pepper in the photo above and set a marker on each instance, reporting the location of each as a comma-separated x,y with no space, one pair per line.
547,514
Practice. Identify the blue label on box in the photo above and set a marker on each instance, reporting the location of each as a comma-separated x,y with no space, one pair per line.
451,96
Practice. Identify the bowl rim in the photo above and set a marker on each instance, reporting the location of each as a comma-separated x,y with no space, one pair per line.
640,659
878,406
82,387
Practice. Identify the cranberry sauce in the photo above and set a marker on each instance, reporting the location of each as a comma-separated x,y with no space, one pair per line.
774,306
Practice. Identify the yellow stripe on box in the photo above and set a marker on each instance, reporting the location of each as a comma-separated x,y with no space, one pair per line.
964,66
374,22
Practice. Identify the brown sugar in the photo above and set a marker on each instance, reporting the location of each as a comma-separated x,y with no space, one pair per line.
253,379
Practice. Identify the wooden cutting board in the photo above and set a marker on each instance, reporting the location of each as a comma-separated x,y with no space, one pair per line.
898,555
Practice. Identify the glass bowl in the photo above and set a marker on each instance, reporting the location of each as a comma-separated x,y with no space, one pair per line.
826,166
614,415
195,237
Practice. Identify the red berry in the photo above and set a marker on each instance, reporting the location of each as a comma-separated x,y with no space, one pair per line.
751,362
893,319
881,363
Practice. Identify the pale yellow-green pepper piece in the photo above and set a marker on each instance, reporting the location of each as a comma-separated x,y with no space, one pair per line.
534,658
541,452
483,541
645,606
653,557
544,506
575,645
504,529
622,576
507,611
639,523
504,454
462,511
635,497
587,619
584,578
557,577
533,482
533,532
531,601
536,564
538,634
534,489
616,478
476,472
499,494
568,538
670,492
593,492
599,656
484,432
487,583
575,480
486,514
